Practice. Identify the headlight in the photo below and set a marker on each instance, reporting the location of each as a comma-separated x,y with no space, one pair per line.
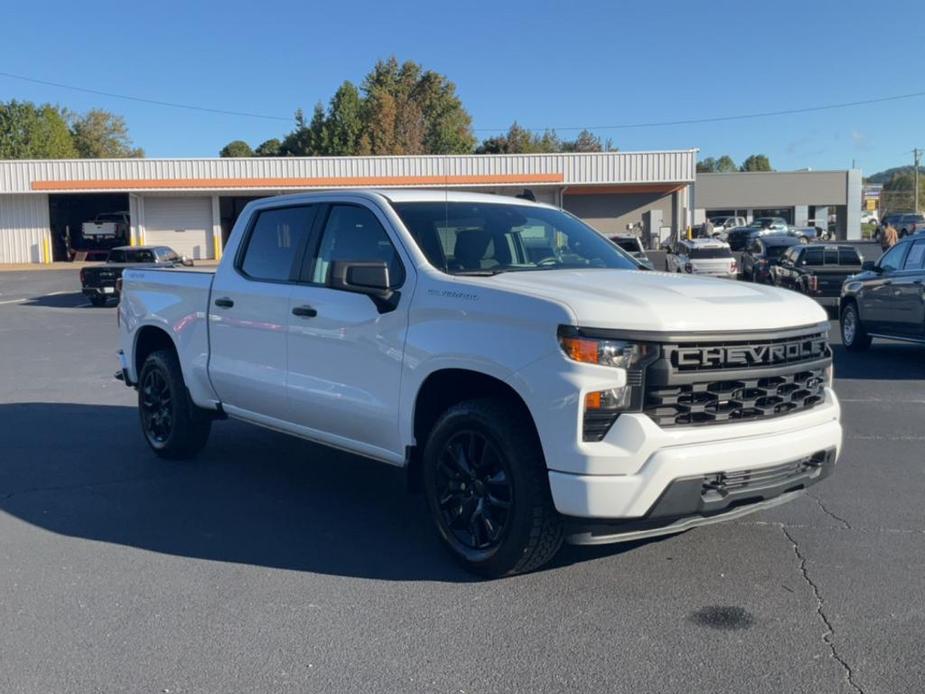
602,407
617,353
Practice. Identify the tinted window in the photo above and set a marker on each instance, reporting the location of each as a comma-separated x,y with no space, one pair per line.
813,256
706,253
629,245
275,239
893,258
848,256
831,256
485,238
916,257
116,257
353,233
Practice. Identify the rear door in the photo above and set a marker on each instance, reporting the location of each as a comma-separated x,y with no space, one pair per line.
345,351
249,314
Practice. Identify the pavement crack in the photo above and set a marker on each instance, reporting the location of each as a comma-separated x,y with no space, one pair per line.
829,635
829,513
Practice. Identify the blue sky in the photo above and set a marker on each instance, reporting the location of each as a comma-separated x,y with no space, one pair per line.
545,64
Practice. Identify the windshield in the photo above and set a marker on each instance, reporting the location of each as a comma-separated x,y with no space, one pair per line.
706,253
629,245
464,238
775,251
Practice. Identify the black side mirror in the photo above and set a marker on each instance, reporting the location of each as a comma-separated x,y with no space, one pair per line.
868,266
365,277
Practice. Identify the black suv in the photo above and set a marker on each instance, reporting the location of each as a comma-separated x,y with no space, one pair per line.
887,299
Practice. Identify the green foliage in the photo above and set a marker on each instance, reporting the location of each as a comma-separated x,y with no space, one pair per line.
757,162
519,140
724,164
99,134
28,131
236,148
345,121
269,148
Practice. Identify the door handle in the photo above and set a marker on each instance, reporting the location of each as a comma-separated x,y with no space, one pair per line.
304,311
224,302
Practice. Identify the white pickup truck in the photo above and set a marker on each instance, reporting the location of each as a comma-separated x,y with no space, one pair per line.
536,384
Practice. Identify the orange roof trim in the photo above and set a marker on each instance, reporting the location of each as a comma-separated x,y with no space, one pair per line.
331,182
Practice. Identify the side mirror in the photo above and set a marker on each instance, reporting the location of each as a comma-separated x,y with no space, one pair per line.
364,277
868,266
187,262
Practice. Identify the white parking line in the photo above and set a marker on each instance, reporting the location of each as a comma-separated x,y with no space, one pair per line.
12,301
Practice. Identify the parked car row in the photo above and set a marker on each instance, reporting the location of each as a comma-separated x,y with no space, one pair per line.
905,223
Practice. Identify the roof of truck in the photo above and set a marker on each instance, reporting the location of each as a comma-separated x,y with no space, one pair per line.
399,195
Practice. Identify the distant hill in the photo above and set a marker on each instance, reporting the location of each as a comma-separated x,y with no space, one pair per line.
885,176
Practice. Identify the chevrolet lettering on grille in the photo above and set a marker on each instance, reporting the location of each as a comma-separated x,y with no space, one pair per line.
720,357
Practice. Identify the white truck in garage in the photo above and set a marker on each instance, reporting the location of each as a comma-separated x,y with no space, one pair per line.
537,384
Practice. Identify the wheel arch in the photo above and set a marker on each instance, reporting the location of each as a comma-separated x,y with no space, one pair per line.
149,339
442,389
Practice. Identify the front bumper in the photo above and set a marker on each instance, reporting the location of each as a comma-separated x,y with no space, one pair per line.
635,495
705,499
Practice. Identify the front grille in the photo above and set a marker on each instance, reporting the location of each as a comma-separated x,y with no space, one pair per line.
733,381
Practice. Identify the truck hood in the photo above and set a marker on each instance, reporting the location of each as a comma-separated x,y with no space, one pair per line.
640,300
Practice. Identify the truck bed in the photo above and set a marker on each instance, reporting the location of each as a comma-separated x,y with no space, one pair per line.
175,300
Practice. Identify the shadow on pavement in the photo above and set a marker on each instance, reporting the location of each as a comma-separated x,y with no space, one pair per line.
891,361
69,300
252,497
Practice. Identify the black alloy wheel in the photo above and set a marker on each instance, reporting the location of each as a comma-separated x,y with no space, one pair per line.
173,426
156,408
474,491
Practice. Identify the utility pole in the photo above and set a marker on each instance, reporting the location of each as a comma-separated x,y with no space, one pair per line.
915,178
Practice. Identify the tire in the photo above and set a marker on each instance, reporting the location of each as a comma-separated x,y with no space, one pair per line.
483,461
804,240
853,334
98,301
172,425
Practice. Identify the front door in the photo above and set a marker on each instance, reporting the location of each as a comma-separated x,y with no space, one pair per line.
345,351
909,293
249,314
877,301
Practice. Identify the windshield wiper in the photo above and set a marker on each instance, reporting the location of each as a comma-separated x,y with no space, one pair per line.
478,273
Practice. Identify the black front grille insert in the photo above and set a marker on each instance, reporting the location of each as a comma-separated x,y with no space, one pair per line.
716,382
721,483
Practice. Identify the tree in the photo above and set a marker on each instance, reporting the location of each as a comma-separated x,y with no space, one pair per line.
269,148
345,121
585,142
236,148
722,165
28,131
519,140
756,162
99,134
298,142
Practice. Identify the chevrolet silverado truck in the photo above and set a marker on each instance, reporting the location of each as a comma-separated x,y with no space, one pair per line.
560,395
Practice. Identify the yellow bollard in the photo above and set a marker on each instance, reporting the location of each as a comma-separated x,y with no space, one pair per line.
218,246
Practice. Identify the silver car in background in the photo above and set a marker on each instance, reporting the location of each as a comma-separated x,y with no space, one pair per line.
701,257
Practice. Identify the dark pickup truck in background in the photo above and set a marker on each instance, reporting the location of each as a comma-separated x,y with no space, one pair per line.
817,270
99,282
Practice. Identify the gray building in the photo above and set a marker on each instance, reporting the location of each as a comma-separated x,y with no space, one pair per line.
803,198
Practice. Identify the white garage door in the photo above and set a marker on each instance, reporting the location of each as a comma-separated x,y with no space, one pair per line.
184,224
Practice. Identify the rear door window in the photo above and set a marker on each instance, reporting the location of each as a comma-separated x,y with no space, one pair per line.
848,256
275,242
813,256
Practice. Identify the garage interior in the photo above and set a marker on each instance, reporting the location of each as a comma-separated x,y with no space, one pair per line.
68,212
230,208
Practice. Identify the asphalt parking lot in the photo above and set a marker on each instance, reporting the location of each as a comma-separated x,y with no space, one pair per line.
271,564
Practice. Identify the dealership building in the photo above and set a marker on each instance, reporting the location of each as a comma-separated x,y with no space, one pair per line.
191,204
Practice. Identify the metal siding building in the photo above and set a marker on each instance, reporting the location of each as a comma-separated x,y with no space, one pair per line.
805,196
191,204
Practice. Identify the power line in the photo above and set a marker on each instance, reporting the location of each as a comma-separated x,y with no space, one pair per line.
621,126
144,100
718,119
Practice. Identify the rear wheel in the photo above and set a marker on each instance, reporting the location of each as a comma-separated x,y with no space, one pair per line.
487,490
853,334
172,425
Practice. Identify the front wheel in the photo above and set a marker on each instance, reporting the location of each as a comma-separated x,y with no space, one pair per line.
853,334
172,425
804,240
487,490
